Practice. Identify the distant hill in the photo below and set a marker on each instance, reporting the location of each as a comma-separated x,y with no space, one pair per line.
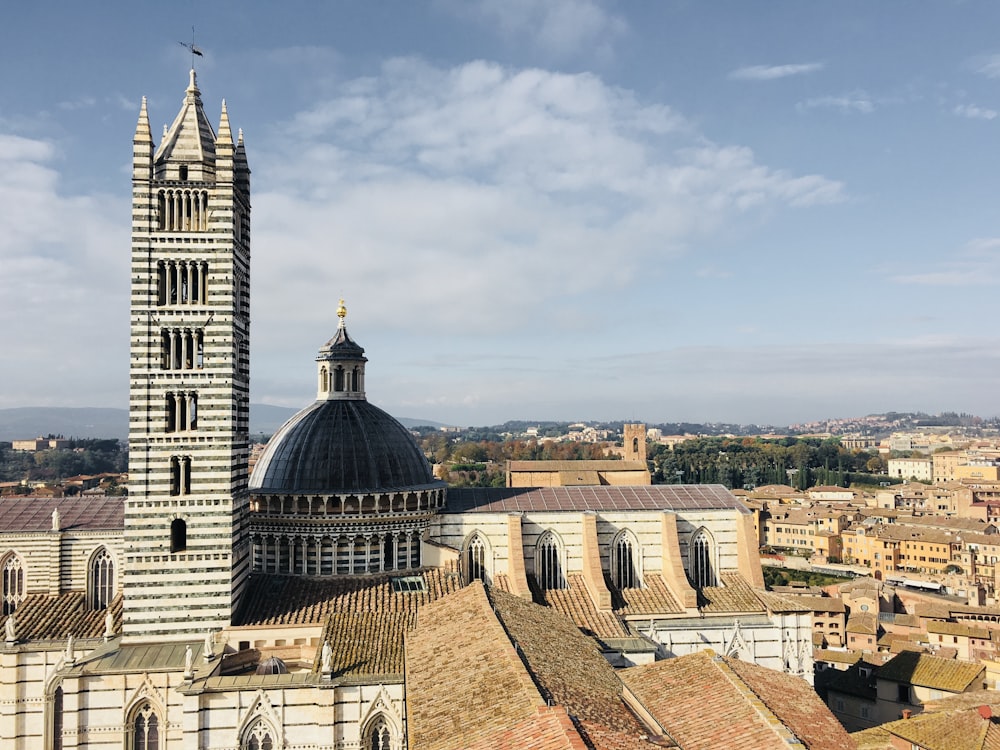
86,422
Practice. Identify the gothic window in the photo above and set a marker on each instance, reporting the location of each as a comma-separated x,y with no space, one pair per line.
144,728
102,579
13,583
476,559
57,719
549,563
178,535
258,737
701,559
624,571
379,736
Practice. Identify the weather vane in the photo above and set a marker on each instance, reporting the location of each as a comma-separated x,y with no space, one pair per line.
191,48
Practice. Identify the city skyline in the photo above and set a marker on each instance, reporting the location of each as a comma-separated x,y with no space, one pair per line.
660,212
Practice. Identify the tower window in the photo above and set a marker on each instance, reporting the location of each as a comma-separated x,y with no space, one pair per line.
178,535
183,172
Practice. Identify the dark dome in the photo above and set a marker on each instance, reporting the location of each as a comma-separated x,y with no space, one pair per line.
341,445
273,665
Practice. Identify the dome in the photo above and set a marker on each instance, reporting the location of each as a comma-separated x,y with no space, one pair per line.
337,446
272,665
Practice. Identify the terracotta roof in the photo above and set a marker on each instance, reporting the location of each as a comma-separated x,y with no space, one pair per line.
48,617
865,623
957,628
951,730
829,604
580,465
875,738
366,643
575,603
295,600
840,657
570,671
75,513
931,671
466,684
734,596
653,598
601,498
708,701
850,681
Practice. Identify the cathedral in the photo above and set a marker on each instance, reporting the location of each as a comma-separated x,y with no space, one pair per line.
341,597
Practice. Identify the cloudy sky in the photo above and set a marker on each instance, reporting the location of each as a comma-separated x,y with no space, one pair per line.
560,209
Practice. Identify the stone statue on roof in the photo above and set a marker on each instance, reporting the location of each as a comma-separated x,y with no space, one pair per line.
109,624
209,646
70,650
327,658
188,662
55,519
10,628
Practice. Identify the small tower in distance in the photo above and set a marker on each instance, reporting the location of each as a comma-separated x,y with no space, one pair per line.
634,443
186,516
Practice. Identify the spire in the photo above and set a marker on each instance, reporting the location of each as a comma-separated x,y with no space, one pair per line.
190,140
225,133
341,313
142,133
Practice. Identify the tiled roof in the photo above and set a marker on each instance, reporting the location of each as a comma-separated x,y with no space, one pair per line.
834,605
570,671
652,599
581,465
550,729
75,513
850,681
734,596
466,685
840,657
951,730
865,623
957,628
708,702
367,643
875,738
601,498
48,617
575,603
931,671
294,600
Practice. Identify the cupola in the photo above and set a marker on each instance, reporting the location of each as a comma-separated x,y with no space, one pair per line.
341,365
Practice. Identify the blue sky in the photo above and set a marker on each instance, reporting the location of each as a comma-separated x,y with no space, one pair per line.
727,211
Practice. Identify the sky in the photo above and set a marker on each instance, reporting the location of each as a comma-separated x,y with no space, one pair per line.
662,211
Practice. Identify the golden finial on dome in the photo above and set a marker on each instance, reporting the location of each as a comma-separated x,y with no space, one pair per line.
341,313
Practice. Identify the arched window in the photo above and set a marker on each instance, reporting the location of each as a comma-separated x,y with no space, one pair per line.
259,736
379,735
338,379
701,559
13,583
476,559
624,571
548,562
102,579
178,535
144,728
57,719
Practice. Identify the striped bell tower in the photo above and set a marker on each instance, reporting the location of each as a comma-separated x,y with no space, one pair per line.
186,517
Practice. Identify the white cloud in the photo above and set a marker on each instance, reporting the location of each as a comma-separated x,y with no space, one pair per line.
558,28
64,274
854,101
772,72
988,65
974,112
977,264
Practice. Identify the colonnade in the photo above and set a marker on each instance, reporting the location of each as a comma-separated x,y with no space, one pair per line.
181,282
343,554
182,412
182,348
180,475
337,505
183,210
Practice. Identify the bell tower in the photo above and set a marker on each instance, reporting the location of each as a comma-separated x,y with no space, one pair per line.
186,517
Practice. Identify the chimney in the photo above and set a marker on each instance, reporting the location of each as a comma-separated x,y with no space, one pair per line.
907,713
986,712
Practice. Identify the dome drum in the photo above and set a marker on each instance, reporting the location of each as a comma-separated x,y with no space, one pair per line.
367,506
